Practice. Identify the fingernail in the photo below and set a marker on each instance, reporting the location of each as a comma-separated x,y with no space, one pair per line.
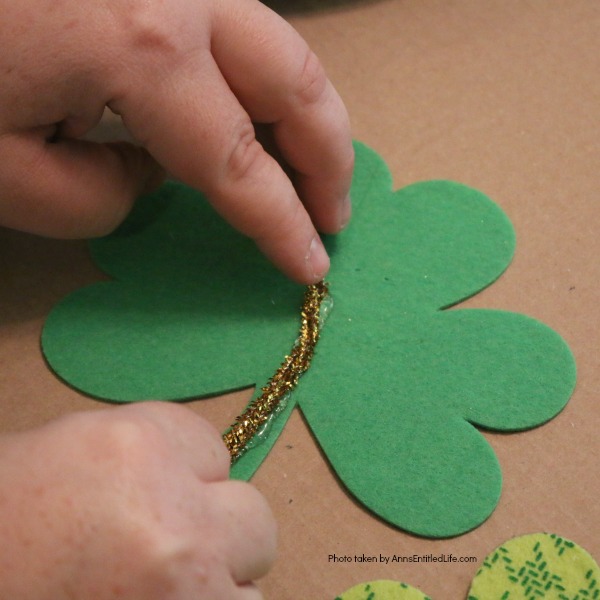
345,212
317,259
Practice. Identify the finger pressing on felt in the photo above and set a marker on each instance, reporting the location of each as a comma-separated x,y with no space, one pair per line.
194,125
199,443
70,188
249,548
279,80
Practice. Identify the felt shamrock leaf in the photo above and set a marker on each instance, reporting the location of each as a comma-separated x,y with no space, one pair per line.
537,566
397,383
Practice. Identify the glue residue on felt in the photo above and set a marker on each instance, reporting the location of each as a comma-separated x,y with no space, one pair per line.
398,383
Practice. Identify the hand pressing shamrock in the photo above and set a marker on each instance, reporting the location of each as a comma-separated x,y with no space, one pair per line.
128,503
89,513
188,78
397,383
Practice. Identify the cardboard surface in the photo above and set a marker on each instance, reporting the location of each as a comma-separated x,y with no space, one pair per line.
502,96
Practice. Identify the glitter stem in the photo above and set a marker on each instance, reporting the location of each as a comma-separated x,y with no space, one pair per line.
284,380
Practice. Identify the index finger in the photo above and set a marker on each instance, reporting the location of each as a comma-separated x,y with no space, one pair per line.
197,123
279,80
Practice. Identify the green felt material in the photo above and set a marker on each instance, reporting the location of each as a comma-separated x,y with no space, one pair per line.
195,309
397,383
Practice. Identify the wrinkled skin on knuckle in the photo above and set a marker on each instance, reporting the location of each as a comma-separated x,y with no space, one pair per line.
245,152
163,559
142,562
125,442
142,517
93,503
172,554
312,81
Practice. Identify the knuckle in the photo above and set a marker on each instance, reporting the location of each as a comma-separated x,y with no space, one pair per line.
312,80
259,522
245,152
162,550
157,556
260,508
127,438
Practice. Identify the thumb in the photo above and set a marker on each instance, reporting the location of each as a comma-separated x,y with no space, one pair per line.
71,188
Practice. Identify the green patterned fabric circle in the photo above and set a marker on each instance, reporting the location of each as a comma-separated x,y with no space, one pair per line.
383,590
538,566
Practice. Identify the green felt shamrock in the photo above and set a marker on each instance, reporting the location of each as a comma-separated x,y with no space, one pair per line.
398,382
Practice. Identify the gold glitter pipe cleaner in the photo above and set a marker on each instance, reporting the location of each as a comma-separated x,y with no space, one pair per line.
284,380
